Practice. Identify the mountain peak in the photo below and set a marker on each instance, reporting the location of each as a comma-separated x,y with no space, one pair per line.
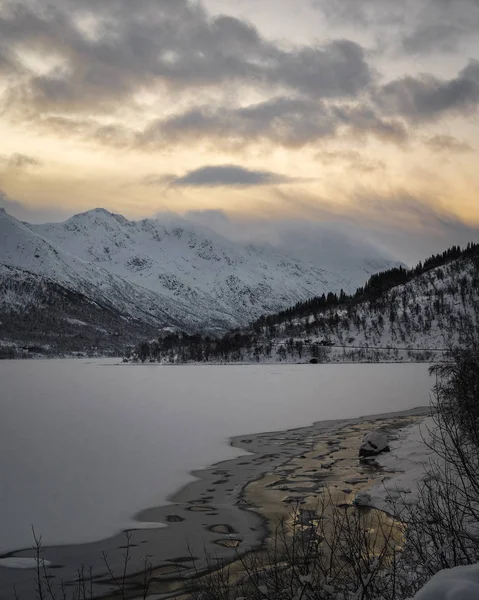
95,216
94,212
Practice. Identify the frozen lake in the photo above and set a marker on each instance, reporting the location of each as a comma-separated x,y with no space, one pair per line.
84,445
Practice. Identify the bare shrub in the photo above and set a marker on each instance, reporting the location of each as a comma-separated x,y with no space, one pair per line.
47,587
329,551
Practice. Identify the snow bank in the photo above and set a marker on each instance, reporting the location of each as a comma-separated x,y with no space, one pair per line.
404,465
460,583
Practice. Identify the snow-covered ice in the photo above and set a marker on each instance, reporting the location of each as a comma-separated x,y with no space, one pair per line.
20,562
103,442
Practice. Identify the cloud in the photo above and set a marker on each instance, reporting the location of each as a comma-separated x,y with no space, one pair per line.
413,226
288,121
19,161
362,119
103,53
354,159
442,25
410,225
31,214
400,225
283,120
228,176
427,98
116,135
100,59
447,143
412,26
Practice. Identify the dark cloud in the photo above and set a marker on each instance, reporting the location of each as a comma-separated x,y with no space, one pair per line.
425,97
288,121
442,25
8,64
285,121
19,161
447,143
364,120
439,36
101,57
411,26
108,51
225,176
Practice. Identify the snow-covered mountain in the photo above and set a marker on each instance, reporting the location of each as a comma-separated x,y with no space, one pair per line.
191,263
399,315
159,274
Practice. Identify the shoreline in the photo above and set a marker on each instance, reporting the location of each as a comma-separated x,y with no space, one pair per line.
220,512
219,363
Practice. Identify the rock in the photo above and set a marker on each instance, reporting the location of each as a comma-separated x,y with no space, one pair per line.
356,480
174,519
374,443
362,499
294,500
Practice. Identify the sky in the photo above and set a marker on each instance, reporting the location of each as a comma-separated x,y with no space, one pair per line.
262,118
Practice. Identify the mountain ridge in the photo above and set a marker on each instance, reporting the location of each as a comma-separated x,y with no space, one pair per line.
158,274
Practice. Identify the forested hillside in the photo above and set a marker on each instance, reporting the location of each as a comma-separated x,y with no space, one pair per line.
401,314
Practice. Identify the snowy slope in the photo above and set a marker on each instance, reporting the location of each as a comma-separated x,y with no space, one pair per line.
50,298
434,311
28,251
